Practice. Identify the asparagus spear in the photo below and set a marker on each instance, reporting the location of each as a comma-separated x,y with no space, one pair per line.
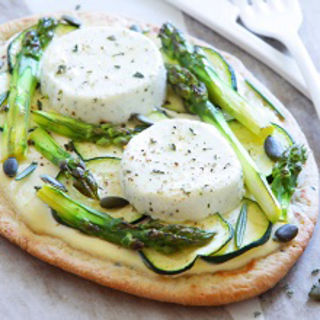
104,134
83,180
176,47
195,96
162,238
285,175
25,78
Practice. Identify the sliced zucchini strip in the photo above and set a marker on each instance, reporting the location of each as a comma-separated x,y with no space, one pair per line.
157,115
105,171
255,145
184,260
257,230
15,45
221,67
88,150
257,99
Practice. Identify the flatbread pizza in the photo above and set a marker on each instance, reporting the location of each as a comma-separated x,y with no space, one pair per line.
148,161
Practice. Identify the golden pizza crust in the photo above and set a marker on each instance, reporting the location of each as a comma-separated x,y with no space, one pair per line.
204,289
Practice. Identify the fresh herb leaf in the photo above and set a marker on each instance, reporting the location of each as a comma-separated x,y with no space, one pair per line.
315,272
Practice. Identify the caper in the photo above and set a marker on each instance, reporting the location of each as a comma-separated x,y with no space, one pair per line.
72,20
53,182
315,293
113,202
273,148
286,233
10,167
143,119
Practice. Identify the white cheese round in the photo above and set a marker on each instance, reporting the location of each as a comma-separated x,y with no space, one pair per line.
180,170
103,74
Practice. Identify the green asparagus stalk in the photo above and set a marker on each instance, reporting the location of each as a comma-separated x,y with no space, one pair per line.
162,238
285,175
176,47
104,134
25,78
83,180
195,96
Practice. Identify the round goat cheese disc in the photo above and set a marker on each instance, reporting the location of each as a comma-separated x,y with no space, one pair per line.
180,170
103,74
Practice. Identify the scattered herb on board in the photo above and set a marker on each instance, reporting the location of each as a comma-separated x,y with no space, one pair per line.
112,38
314,293
257,314
288,290
315,272
290,293
77,7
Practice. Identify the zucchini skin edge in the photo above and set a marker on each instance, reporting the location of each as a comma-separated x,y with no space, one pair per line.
234,254
155,269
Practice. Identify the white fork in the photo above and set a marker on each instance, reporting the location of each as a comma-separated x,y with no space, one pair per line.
281,20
